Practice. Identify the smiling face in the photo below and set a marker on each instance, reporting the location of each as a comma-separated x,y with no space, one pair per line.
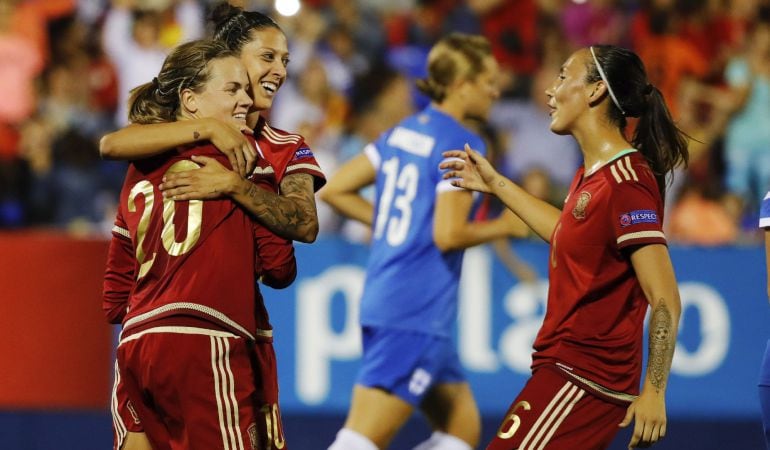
225,96
569,95
265,57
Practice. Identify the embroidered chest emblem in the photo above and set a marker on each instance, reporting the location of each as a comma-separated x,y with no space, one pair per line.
579,211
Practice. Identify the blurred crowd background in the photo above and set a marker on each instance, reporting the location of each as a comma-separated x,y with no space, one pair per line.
67,66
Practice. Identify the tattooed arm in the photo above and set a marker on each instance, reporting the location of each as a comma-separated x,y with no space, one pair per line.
656,276
290,215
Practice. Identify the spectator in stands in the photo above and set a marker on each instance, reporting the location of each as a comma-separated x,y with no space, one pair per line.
670,59
747,139
132,41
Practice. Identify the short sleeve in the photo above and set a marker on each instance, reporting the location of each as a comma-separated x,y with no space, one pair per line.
636,211
303,161
373,154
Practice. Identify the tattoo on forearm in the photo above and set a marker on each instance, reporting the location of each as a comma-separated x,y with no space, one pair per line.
196,135
661,346
291,215
501,183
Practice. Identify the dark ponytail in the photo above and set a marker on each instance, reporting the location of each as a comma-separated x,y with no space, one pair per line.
657,137
233,25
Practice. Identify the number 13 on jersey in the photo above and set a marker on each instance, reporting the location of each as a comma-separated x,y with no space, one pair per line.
394,214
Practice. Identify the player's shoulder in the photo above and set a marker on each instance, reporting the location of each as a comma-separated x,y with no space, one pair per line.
629,170
277,136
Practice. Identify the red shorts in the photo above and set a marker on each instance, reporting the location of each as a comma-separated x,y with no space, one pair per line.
554,413
195,388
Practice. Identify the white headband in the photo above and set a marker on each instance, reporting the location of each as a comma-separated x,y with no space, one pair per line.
604,78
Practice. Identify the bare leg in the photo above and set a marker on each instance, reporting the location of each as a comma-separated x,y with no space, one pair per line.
377,414
136,441
450,408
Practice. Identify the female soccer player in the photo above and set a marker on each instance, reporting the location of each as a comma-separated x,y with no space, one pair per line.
264,51
608,261
211,327
420,227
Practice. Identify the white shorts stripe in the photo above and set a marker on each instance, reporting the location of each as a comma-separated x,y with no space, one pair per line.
544,414
554,414
233,401
117,420
218,391
561,418
225,388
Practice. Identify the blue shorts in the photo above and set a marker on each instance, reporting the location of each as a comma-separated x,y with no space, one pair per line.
407,363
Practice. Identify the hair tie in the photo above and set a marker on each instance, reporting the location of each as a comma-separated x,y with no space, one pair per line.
604,78
156,85
647,89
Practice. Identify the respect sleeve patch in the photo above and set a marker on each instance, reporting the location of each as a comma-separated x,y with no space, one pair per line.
638,216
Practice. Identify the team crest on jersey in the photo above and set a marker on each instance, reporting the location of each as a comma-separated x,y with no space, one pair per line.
252,430
579,211
302,153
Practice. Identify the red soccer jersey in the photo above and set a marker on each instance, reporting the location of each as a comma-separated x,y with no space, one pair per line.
190,258
594,319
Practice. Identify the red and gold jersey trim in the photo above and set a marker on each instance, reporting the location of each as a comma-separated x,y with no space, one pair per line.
273,136
622,170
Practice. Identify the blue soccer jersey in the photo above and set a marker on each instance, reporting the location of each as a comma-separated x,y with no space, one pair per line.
410,283
764,212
